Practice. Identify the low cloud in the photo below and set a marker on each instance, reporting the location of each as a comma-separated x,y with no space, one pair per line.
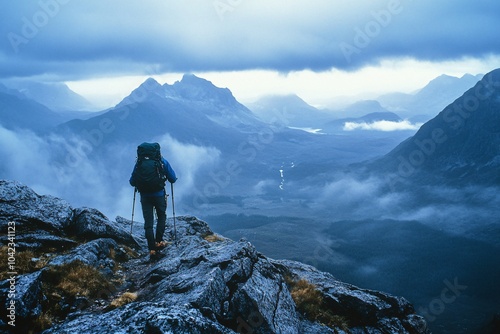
187,160
382,126
457,210
350,198
25,155
69,168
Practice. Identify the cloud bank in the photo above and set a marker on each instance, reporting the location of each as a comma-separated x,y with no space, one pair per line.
382,126
457,210
74,39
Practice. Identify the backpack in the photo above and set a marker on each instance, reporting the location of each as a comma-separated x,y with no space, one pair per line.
148,170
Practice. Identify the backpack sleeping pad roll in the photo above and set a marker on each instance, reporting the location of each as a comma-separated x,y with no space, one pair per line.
148,171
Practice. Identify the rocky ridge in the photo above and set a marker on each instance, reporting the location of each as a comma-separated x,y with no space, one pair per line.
205,283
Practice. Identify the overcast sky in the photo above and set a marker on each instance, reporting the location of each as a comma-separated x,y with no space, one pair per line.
319,49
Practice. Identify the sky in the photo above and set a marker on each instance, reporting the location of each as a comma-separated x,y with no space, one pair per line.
322,50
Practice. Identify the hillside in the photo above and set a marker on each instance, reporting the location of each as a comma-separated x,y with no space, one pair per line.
76,271
55,96
461,145
17,112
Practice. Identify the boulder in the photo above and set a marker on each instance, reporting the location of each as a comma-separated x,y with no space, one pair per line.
145,317
46,222
30,211
89,224
99,253
365,309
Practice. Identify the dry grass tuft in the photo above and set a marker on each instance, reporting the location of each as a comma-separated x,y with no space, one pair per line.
213,237
310,302
63,285
78,279
124,299
25,262
130,252
44,321
306,297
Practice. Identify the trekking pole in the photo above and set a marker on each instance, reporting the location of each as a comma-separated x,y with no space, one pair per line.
173,212
166,202
133,208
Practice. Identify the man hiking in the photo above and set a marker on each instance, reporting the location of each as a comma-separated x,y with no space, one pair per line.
150,173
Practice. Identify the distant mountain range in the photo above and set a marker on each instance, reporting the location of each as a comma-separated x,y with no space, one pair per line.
18,112
56,96
419,107
39,107
461,144
289,110
431,99
338,125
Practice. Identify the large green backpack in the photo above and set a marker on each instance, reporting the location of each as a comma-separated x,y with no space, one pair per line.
148,171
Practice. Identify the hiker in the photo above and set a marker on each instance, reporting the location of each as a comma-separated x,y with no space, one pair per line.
150,173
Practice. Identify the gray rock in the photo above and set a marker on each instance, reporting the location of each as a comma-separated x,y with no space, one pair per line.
96,253
31,211
42,241
44,221
144,317
91,224
367,310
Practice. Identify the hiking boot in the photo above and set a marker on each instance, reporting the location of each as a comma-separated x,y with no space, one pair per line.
155,256
162,244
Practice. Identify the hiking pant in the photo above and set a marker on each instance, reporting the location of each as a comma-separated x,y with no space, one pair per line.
149,204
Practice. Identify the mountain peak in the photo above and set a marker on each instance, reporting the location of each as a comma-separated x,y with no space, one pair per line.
150,85
150,82
446,82
198,89
189,78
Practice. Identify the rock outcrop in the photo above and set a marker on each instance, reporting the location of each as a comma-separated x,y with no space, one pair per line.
205,283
